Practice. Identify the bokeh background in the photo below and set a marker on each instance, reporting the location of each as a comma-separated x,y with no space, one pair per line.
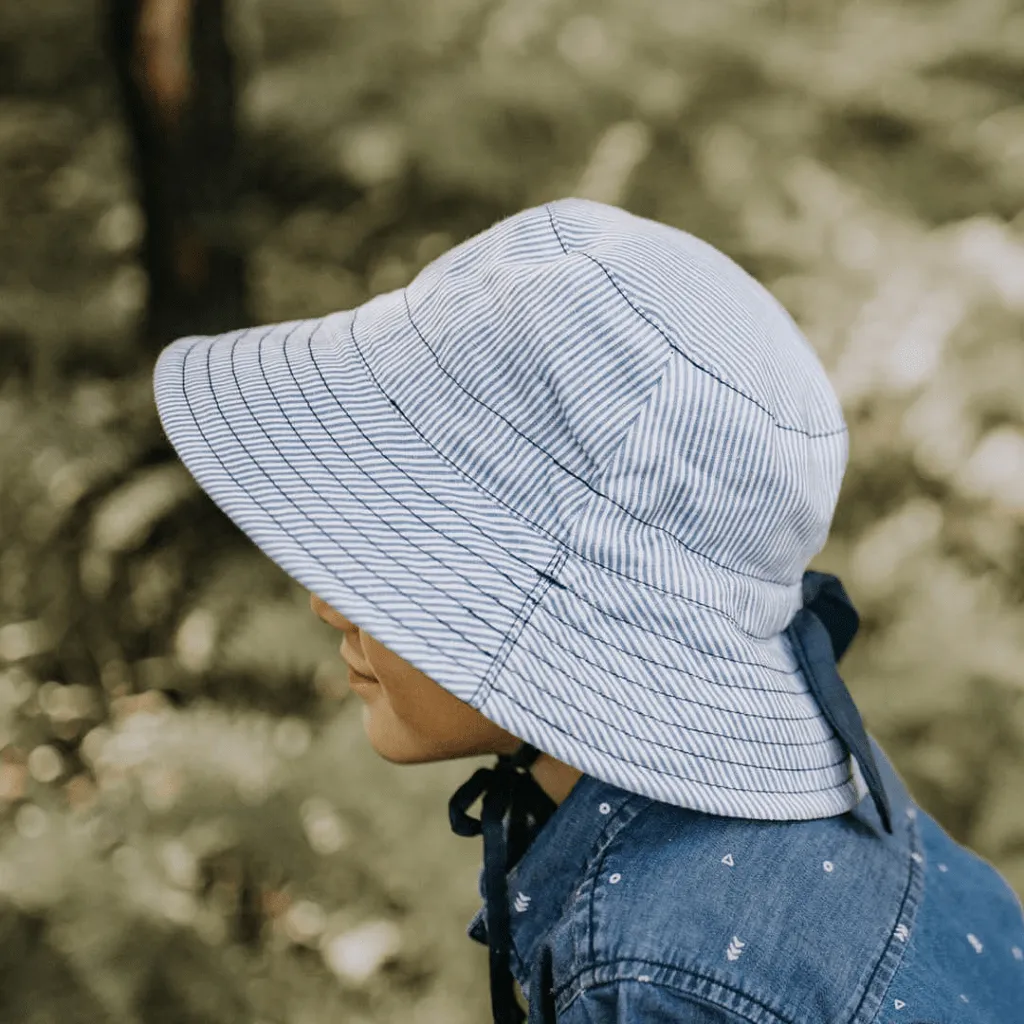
192,826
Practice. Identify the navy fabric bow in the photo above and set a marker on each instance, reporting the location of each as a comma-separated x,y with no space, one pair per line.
507,787
820,633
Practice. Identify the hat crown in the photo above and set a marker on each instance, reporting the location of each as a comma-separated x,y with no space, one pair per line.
611,378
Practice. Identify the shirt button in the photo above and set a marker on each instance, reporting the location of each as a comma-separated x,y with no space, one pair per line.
605,808
615,878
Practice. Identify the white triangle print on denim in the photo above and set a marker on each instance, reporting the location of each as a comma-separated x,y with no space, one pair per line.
573,472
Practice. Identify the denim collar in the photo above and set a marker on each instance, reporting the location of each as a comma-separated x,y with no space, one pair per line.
540,885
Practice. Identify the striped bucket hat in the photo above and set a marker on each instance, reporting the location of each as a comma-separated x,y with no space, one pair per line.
574,472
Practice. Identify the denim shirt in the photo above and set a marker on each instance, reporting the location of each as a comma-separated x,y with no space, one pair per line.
626,909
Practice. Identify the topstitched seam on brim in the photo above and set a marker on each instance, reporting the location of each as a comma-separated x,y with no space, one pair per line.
529,606
284,529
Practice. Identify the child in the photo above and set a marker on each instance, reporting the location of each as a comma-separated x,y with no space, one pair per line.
559,495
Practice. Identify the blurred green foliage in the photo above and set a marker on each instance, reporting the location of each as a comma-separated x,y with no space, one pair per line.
192,827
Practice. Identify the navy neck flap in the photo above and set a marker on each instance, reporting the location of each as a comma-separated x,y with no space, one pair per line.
820,633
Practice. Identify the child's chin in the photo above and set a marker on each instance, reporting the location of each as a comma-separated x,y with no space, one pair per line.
391,741
397,750
404,754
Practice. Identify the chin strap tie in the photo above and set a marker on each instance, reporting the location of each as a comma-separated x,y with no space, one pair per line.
507,788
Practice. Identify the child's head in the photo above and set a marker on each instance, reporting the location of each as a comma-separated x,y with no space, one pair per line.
566,484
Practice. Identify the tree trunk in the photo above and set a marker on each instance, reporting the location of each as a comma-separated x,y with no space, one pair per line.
176,76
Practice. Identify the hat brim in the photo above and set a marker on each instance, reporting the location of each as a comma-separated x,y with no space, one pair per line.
288,432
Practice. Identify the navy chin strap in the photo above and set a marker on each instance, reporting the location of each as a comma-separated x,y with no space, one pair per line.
820,633
508,787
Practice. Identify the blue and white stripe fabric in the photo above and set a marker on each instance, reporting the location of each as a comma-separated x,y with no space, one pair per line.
574,473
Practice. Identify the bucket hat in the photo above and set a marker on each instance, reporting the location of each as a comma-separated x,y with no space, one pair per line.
574,472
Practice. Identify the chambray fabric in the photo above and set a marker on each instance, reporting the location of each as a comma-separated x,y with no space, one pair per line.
574,473
626,909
